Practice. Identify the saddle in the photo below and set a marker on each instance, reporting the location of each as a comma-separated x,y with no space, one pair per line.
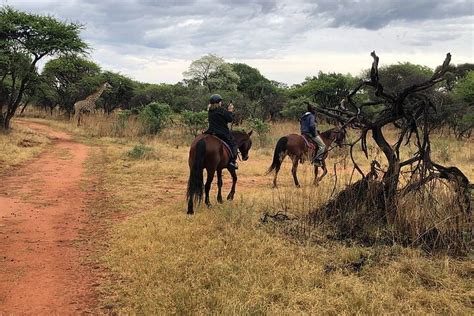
226,146
309,142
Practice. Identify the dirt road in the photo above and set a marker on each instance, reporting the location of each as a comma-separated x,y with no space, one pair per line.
42,212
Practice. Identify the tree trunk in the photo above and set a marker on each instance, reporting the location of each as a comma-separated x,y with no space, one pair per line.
24,107
392,175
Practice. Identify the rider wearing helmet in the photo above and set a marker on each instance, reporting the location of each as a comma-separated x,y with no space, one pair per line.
218,118
308,128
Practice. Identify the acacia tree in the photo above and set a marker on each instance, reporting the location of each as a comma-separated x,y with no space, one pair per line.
120,94
212,72
30,37
69,76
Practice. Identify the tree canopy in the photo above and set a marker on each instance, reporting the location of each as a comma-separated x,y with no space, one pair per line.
30,37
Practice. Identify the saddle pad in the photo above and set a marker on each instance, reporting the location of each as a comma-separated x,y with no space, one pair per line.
309,143
226,146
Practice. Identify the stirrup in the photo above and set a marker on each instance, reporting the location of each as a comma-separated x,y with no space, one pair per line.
317,162
234,165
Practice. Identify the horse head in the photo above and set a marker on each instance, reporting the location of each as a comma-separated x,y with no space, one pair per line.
340,136
336,134
244,143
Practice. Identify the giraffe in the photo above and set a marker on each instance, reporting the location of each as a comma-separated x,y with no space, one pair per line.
88,104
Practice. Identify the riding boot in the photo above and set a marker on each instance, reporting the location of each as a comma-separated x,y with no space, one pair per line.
321,148
316,161
233,159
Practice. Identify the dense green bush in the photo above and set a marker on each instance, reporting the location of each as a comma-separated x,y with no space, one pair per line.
154,117
194,122
261,128
295,108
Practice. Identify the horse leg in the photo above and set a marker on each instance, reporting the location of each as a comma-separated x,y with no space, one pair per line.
315,181
294,169
219,186
207,187
277,169
325,171
230,197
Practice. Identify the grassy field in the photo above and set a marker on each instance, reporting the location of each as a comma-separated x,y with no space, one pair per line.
19,145
225,260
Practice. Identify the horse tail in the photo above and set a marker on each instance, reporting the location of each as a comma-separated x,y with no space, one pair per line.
195,182
279,150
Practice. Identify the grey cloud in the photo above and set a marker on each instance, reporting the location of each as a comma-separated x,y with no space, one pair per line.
234,29
376,14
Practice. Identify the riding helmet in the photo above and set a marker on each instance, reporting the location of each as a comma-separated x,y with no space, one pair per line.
215,98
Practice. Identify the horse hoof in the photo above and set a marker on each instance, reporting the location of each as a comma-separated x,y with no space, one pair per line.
298,186
209,205
230,197
220,201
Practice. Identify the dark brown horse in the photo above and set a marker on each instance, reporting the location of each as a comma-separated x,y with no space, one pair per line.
297,149
208,152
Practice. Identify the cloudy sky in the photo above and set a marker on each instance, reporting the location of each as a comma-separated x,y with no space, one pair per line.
287,40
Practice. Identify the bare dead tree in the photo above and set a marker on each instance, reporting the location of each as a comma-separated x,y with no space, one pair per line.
409,111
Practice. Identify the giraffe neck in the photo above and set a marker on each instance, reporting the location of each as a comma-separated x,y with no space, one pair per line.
96,95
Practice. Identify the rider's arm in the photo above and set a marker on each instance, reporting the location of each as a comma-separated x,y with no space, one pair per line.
228,116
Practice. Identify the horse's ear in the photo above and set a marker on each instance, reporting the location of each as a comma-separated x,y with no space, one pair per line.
250,133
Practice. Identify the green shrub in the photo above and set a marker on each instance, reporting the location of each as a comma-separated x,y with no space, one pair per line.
261,128
141,151
295,108
195,122
154,117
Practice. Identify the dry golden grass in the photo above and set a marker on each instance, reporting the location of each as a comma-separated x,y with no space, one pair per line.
19,145
225,261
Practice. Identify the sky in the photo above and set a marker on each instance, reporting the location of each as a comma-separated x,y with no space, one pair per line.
156,40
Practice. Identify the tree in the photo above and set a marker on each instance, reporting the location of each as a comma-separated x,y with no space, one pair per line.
325,89
73,78
455,73
409,109
266,98
43,96
462,119
121,93
30,37
212,72
224,78
399,76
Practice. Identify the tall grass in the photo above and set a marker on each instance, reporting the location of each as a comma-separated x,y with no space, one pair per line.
19,145
225,260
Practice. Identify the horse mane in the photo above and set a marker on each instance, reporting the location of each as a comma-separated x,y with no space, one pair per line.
328,132
240,133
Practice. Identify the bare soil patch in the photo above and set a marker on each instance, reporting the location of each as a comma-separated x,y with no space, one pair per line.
42,214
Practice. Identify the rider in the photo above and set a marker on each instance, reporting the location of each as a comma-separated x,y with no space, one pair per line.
218,118
308,128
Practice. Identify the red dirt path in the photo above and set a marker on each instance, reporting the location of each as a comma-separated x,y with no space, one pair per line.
42,211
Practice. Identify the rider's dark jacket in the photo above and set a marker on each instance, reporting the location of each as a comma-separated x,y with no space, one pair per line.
308,124
218,119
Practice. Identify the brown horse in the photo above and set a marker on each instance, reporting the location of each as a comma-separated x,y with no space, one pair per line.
208,152
297,149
